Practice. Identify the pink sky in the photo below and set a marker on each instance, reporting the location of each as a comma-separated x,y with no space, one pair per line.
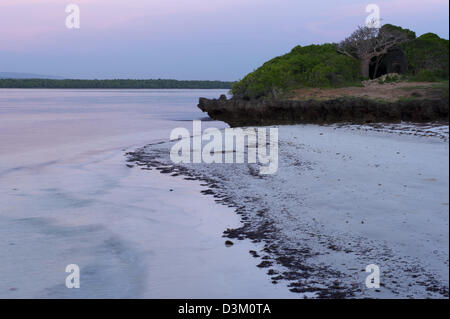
193,34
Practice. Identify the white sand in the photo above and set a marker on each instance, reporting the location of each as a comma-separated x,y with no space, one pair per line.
351,197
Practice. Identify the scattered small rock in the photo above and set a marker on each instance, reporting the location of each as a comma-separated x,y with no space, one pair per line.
264,264
272,272
229,243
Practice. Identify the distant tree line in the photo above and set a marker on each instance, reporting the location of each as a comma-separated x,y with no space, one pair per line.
112,84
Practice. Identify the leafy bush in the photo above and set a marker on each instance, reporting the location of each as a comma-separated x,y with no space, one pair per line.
310,66
323,66
410,35
428,57
425,75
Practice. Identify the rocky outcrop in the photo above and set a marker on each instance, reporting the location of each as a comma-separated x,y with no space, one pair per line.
238,112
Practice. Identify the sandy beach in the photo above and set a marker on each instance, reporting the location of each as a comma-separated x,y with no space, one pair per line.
344,197
78,187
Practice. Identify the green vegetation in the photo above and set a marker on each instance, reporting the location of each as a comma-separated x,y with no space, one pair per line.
111,84
427,58
310,66
411,35
328,65
442,88
441,85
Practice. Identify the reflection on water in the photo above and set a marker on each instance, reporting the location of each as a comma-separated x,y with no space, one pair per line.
46,118
68,197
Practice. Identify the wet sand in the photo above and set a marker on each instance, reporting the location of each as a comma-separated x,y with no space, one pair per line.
344,197
68,197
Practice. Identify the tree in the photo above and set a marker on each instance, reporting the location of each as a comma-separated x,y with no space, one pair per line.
366,43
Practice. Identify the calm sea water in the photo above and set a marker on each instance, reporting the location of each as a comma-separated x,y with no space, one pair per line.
68,197
48,118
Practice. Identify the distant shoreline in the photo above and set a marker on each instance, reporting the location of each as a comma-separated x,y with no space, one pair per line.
111,84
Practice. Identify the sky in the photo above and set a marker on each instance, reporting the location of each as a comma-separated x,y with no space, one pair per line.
185,39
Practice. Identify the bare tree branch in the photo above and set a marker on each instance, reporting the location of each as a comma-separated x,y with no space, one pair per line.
365,43
346,53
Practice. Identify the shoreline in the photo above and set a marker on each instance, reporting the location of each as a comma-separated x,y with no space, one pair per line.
305,267
418,102
134,234
337,110
69,198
